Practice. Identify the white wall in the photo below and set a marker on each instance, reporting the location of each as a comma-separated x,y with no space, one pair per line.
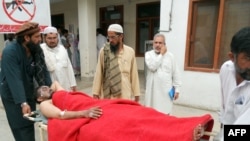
87,32
69,9
1,43
199,89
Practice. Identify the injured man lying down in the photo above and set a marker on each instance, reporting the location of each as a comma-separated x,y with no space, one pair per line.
75,116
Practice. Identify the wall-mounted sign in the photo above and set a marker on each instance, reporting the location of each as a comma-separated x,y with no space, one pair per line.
14,13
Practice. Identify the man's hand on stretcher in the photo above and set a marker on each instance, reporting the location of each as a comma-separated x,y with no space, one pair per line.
95,112
25,108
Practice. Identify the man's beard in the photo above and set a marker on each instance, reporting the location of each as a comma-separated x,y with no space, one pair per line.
34,48
114,48
156,51
52,46
244,73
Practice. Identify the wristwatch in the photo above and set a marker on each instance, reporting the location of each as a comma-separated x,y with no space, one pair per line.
24,104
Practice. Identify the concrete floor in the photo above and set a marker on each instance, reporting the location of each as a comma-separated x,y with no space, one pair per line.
86,86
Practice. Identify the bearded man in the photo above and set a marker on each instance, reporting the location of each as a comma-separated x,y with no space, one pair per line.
22,63
163,76
116,74
235,82
57,60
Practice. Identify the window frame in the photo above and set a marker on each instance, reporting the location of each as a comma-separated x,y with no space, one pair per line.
150,19
104,24
215,65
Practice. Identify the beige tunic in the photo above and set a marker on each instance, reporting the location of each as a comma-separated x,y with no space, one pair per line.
130,80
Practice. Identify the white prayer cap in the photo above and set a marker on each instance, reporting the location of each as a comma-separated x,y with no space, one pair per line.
50,29
115,28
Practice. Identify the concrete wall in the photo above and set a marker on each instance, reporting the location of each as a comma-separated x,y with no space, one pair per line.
70,11
199,89
1,43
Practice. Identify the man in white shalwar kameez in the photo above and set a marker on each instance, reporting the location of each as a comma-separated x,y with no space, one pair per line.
235,82
57,60
162,75
100,40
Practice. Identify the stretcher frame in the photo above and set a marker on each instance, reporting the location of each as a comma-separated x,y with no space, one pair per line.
39,122
42,126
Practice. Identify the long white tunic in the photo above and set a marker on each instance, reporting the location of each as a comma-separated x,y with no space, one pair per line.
162,74
59,65
100,42
235,98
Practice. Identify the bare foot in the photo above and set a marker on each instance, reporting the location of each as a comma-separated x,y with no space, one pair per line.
198,132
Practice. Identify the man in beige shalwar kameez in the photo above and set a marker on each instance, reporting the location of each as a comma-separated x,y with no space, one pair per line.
116,71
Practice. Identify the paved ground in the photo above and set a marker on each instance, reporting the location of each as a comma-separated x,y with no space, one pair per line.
178,110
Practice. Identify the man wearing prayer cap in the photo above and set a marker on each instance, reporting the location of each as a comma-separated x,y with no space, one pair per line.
57,60
22,65
116,74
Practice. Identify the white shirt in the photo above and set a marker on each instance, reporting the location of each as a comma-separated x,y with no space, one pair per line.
59,65
100,41
244,118
235,98
162,74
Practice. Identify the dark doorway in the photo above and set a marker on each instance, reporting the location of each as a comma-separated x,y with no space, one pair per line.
110,15
147,24
57,20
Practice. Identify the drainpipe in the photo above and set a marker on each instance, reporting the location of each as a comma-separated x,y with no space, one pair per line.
170,19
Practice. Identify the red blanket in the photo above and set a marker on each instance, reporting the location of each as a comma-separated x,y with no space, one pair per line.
122,120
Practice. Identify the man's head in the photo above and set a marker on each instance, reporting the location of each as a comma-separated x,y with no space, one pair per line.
10,36
115,37
240,52
65,32
51,36
43,93
59,29
29,36
159,42
99,31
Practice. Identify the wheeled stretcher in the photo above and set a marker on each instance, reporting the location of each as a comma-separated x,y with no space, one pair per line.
41,123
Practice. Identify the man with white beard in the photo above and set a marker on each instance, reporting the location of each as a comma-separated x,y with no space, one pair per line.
163,76
57,60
